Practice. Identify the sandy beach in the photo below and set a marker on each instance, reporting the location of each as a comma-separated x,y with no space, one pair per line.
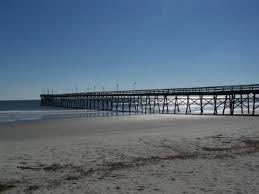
131,154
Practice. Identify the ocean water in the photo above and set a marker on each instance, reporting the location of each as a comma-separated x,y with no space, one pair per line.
21,110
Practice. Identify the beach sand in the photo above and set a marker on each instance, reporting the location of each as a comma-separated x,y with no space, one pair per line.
131,154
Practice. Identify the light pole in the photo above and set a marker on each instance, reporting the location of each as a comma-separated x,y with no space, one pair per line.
134,84
117,85
94,88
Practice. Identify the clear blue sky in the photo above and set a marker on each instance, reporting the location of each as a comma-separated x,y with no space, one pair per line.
63,44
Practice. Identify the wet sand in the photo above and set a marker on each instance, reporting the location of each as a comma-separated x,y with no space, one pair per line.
131,154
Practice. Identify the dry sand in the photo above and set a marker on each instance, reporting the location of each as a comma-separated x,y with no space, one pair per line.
131,154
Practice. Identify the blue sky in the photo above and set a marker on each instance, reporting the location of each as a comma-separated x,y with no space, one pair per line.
63,44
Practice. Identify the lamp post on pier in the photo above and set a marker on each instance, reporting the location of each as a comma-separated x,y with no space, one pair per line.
134,85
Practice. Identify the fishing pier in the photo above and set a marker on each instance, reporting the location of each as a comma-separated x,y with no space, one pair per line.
217,100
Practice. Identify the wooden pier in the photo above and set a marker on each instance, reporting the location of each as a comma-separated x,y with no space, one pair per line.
217,100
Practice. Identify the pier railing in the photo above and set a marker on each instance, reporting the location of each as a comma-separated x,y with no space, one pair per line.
245,89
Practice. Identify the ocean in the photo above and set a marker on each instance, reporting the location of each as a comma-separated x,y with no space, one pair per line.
25,110
22,110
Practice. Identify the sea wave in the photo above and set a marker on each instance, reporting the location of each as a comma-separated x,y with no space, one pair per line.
23,115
